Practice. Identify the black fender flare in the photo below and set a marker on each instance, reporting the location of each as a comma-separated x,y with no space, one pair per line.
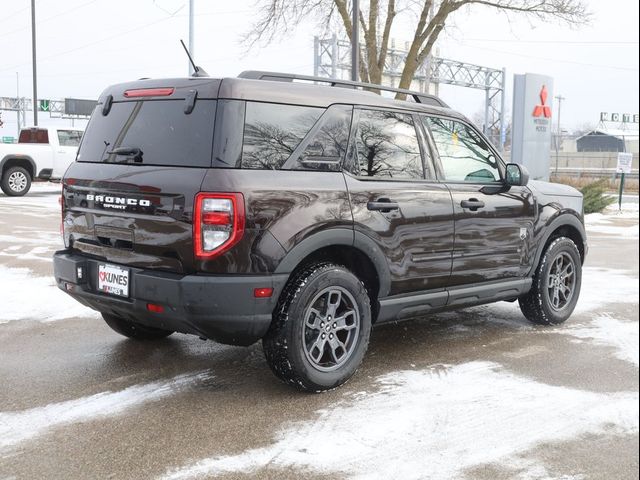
339,236
26,158
562,220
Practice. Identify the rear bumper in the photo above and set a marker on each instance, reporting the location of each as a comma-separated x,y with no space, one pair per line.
221,308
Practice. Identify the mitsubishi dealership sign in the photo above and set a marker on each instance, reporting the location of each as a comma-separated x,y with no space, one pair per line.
531,130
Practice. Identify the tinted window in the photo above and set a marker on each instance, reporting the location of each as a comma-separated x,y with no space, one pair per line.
161,129
326,144
464,155
69,138
387,145
272,132
34,135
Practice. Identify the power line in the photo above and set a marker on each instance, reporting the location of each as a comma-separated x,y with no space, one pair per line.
557,60
53,17
562,42
9,17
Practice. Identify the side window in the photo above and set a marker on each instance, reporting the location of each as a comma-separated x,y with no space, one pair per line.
326,145
387,145
69,138
465,156
272,132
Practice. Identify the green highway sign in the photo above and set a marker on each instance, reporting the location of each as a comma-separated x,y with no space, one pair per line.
8,139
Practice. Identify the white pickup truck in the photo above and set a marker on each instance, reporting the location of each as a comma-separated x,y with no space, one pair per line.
41,152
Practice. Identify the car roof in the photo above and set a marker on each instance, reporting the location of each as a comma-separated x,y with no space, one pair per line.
292,93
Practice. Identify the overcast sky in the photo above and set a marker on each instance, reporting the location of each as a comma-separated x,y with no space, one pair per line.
85,45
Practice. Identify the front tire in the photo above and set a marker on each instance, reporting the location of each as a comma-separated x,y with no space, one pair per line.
320,329
134,330
15,182
556,284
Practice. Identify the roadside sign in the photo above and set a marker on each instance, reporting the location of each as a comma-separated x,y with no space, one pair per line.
624,166
624,162
8,139
43,105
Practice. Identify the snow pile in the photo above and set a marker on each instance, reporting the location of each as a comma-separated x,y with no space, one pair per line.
16,427
432,423
27,297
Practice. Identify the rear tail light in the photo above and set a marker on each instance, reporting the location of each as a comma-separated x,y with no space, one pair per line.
218,223
61,202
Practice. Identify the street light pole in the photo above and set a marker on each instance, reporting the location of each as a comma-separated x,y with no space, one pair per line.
33,61
560,98
191,45
355,44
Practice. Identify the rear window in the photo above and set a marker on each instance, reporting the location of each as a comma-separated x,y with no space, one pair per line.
34,135
159,128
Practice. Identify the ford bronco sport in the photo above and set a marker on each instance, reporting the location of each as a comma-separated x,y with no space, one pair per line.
268,207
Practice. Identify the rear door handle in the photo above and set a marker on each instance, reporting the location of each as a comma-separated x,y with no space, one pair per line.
383,205
472,204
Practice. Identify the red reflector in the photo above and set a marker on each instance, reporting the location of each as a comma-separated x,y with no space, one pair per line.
262,292
149,92
216,218
155,308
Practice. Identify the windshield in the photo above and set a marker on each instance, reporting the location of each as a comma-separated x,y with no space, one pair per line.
163,133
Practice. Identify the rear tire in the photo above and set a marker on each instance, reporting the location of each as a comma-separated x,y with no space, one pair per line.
15,182
320,329
556,284
134,330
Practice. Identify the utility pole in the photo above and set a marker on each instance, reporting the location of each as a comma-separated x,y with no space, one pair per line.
560,98
191,45
33,61
355,44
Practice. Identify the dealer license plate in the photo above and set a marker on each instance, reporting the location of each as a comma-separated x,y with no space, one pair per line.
113,280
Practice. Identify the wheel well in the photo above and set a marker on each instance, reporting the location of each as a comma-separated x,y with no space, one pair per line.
19,162
569,232
356,262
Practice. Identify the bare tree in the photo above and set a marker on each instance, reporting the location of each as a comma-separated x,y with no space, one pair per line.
276,17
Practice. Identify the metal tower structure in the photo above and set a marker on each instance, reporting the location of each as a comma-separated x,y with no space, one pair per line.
68,108
332,58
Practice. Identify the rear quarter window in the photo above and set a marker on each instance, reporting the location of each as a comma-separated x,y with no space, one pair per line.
159,128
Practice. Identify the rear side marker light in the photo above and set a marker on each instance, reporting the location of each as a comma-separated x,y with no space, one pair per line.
262,292
218,223
149,92
155,308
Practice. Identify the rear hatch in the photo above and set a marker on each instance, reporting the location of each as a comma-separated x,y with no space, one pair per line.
129,197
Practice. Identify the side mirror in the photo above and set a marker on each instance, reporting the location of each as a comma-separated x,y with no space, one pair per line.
516,175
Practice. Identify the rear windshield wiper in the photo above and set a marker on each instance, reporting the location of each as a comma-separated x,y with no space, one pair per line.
133,152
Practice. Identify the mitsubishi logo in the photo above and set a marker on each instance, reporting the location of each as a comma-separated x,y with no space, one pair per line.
543,109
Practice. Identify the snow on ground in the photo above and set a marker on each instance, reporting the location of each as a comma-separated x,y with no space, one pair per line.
605,330
605,222
24,296
42,197
602,286
435,421
16,427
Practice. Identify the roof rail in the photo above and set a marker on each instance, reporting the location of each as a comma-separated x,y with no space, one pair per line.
418,97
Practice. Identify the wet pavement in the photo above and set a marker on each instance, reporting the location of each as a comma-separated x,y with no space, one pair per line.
477,394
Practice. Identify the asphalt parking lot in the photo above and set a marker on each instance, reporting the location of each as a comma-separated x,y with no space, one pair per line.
476,394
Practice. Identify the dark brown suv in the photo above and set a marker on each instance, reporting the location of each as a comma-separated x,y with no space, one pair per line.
268,207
